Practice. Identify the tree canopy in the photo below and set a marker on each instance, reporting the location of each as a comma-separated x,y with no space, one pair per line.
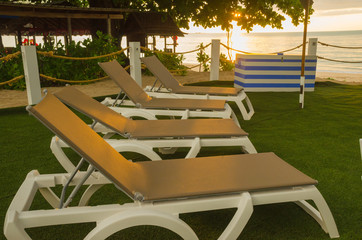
211,13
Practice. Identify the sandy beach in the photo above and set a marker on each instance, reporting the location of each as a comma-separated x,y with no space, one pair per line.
15,98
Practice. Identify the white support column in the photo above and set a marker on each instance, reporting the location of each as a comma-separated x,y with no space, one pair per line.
135,62
215,59
312,46
31,73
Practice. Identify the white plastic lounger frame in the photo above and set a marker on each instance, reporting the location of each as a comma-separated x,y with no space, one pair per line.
146,147
114,217
160,190
165,93
148,135
164,76
143,105
128,109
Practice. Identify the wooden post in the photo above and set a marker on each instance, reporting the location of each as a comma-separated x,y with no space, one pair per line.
306,4
69,21
135,62
153,43
19,38
31,73
109,28
215,59
1,42
312,46
165,43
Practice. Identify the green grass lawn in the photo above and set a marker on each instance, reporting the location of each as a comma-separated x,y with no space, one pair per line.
322,140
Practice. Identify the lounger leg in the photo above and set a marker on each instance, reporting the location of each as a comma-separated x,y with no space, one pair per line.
13,229
137,147
62,158
129,113
88,193
195,148
50,197
247,146
185,114
132,218
229,113
239,102
324,217
235,118
240,219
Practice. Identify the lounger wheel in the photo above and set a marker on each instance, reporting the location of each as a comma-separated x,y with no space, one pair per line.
168,150
127,219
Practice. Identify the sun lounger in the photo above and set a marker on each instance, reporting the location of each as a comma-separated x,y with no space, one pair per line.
161,190
171,87
149,107
143,136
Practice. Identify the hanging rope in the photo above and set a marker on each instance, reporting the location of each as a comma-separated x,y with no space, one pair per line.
12,80
72,81
236,50
51,54
10,56
334,60
330,45
156,51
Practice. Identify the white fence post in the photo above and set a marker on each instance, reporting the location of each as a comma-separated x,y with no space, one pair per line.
31,73
312,46
135,62
215,59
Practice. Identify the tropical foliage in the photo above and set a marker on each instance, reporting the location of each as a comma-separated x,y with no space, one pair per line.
210,13
64,68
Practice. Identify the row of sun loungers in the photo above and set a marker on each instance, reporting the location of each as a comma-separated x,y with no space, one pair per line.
160,190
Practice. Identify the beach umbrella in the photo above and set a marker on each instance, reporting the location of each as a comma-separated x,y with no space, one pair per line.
306,5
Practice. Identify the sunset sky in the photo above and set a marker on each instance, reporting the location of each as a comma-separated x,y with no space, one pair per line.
329,15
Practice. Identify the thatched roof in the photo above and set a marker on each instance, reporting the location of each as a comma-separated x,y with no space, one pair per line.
38,19
151,23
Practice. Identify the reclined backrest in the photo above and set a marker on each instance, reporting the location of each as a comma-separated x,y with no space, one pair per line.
161,72
87,143
121,77
93,109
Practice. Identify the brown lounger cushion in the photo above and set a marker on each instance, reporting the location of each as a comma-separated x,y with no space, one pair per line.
162,74
185,128
118,74
150,128
168,179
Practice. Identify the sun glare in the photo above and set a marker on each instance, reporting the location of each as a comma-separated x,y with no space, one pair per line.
317,23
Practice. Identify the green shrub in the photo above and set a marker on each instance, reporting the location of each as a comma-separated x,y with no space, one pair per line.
64,68
10,69
171,62
202,58
225,65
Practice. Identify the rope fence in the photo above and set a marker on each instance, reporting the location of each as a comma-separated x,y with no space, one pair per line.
72,81
336,46
341,61
51,54
176,53
15,79
236,50
10,56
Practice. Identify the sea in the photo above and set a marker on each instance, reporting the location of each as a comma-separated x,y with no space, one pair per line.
265,43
